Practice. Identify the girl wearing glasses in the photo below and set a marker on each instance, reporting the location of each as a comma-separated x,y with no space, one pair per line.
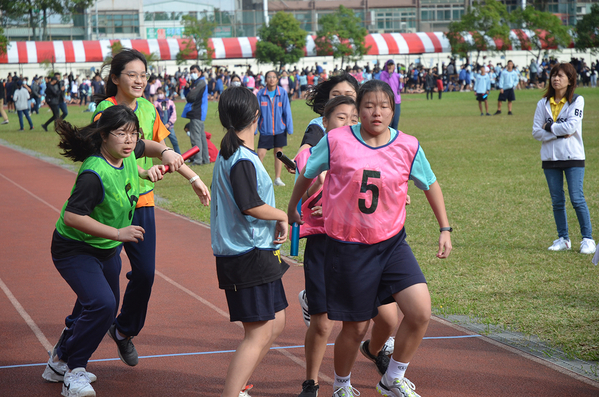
93,223
125,85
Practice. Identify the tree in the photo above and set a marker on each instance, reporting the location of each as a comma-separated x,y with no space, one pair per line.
548,28
197,33
3,42
482,22
341,35
282,42
587,31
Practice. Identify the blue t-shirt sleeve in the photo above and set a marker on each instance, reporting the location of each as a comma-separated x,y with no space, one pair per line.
421,173
319,159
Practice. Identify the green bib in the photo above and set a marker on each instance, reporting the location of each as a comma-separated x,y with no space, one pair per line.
121,191
146,114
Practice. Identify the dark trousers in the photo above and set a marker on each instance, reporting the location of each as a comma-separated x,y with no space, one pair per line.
96,284
142,256
65,111
55,114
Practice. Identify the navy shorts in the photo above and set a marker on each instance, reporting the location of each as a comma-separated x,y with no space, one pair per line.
272,141
359,276
314,273
508,95
259,303
481,97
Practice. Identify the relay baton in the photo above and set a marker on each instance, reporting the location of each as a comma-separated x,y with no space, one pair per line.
286,160
191,152
295,231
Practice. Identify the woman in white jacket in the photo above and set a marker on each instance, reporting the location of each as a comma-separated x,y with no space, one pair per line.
558,125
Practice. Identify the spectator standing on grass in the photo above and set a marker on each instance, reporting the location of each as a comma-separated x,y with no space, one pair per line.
507,82
168,115
36,94
2,97
62,84
482,87
558,125
21,97
391,77
275,121
198,98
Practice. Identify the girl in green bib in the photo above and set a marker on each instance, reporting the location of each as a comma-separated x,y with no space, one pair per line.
94,223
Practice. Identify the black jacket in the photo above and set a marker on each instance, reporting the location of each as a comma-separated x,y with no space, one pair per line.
52,94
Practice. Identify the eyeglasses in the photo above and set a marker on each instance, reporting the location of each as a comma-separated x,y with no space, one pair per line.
134,76
124,136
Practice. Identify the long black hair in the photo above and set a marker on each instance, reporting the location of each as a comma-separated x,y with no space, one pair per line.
237,108
319,95
376,86
116,67
80,143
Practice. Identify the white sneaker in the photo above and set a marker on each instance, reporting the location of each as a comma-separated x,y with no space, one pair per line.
389,346
588,246
346,391
279,182
4,122
244,392
77,384
54,372
561,245
400,388
303,300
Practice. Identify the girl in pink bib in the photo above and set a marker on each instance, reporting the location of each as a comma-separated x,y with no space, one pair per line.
368,260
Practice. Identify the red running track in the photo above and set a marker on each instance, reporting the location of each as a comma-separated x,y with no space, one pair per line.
188,340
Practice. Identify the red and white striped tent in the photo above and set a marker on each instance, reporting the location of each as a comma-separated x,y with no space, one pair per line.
226,48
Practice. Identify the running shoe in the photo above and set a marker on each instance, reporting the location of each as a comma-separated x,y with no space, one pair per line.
244,392
309,389
4,122
126,348
55,372
560,244
389,346
381,360
77,384
509,113
399,388
588,246
303,299
279,182
346,391
497,112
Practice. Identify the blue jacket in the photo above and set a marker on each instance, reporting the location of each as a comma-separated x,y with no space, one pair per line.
278,121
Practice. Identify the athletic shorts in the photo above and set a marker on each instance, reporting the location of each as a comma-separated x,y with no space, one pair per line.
314,273
508,95
259,303
359,276
272,141
482,97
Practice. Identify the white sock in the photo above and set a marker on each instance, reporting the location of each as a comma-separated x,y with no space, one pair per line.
119,336
396,370
341,381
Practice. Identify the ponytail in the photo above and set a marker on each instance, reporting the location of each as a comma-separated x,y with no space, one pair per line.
230,143
78,143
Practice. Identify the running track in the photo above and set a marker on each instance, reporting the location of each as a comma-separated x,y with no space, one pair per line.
188,340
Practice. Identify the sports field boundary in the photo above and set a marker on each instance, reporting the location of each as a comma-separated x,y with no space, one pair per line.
526,346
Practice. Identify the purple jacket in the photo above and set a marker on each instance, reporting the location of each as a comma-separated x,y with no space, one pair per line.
394,81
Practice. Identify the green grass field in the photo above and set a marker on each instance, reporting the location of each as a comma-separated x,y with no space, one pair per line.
497,201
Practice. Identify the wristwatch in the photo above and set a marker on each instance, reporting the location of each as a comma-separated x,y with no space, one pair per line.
446,229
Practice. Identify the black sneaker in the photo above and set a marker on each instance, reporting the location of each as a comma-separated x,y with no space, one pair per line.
381,360
309,389
497,112
509,113
126,349
45,127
